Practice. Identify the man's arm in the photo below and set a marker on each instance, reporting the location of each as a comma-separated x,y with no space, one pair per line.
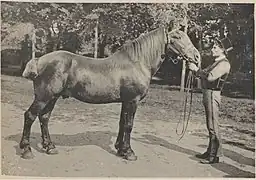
218,71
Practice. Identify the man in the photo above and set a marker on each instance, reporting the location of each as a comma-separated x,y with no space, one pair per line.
213,78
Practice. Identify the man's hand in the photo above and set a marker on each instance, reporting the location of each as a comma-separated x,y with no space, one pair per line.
192,67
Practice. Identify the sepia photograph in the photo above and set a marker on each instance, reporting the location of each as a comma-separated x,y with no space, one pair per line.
127,89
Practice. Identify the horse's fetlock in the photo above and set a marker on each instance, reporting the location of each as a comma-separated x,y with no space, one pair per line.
48,145
45,145
23,144
118,145
51,145
126,147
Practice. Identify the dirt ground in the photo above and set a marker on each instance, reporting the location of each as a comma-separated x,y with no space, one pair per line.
85,135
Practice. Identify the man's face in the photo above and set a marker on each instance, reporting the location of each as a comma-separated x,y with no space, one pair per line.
216,51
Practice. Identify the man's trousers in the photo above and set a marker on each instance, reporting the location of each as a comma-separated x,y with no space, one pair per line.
211,101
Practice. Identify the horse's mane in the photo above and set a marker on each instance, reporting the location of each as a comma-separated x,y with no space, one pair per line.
146,47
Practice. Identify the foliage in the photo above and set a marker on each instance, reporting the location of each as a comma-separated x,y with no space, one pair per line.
119,22
239,21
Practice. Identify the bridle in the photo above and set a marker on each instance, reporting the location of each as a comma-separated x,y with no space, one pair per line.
180,54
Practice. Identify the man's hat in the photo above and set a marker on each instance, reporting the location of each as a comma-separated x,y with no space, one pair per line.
225,43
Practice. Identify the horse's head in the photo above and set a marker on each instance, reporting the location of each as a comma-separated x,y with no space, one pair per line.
179,43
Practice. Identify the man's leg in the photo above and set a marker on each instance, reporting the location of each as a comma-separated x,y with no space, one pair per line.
206,102
212,106
216,99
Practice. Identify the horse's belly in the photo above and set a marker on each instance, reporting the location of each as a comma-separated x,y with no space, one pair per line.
97,93
113,87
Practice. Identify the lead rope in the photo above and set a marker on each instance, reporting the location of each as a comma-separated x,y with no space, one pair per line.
186,118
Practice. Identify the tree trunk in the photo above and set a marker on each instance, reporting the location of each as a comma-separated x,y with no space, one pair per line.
34,44
200,48
96,40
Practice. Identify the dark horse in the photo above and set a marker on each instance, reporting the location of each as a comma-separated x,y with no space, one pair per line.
123,77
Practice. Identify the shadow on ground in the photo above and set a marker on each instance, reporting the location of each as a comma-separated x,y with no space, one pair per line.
236,156
229,169
101,139
237,144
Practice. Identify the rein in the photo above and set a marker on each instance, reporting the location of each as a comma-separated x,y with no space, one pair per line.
187,101
184,117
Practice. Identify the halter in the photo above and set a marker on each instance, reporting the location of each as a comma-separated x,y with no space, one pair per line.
165,55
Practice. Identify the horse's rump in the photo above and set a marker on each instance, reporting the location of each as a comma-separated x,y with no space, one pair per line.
30,71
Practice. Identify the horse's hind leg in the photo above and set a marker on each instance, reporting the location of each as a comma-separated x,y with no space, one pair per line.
129,111
29,118
44,117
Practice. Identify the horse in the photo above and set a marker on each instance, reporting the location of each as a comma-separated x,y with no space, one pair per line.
124,77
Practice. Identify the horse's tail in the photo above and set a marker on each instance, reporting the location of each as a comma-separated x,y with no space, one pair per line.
31,71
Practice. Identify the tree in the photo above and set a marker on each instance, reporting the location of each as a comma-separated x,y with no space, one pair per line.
118,23
239,23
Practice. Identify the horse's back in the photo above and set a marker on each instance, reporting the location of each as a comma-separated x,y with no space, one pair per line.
116,61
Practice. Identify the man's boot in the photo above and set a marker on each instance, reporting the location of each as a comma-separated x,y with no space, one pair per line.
213,153
206,154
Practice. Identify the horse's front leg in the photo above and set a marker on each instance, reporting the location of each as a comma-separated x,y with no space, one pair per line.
44,117
120,138
129,111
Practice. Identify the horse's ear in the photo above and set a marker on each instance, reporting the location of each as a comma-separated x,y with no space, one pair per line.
177,34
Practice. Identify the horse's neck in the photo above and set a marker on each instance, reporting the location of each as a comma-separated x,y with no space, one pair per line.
157,64
156,59
146,50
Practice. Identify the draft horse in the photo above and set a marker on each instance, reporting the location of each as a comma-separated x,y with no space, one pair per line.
123,78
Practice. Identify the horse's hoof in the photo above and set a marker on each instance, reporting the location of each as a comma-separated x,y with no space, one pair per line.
128,155
131,157
27,154
117,146
52,151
